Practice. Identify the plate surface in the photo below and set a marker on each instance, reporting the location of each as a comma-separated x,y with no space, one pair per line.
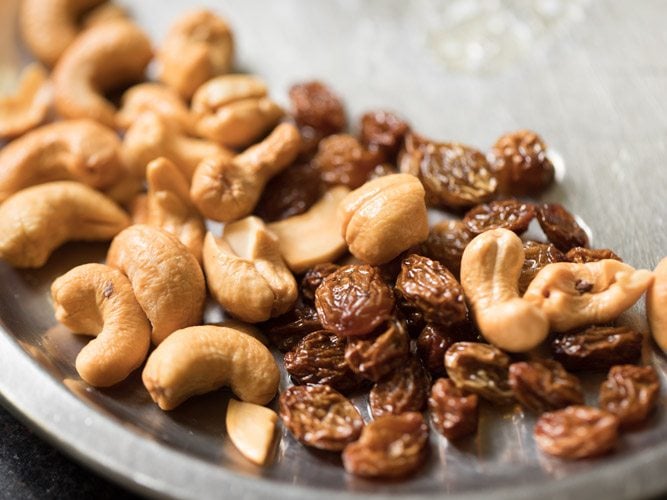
590,76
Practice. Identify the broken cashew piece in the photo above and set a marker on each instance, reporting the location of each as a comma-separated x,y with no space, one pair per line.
37,220
575,295
252,429
156,98
201,359
656,305
246,273
490,270
313,237
27,108
98,300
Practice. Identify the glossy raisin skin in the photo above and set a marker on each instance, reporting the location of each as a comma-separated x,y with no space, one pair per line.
432,344
313,279
403,390
581,255
286,330
377,356
392,446
576,432
544,385
354,300
383,131
630,392
320,417
561,227
537,255
511,214
445,243
316,106
427,285
597,347
341,159
454,413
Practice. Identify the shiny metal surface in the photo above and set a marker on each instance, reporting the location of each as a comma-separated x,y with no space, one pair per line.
590,77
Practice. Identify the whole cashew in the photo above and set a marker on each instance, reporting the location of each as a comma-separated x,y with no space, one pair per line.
37,220
167,280
27,108
574,295
245,272
102,58
656,305
156,98
228,189
98,300
201,359
490,270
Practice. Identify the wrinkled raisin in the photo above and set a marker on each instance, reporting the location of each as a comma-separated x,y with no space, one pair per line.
597,347
561,227
432,343
320,417
383,131
537,255
544,385
404,390
410,316
581,255
389,447
315,105
341,159
375,357
577,432
313,278
354,300
507,214
286,330
630,392
454,413
445,243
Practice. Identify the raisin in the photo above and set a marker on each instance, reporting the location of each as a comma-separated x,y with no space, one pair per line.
410,316
383,131
320,417
544,385
560,227
537,255
286,330
577,432
314,105
391,446
406,389
454,175
507,214
375,357
445,243
428,286
432,343
354,300
319,358
581,255
454,413
597,347
341,159
521,163
481,369
630,392
313,278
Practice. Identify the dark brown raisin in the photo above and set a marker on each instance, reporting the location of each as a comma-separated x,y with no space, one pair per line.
383,131
313,278
544,385
404,390
630,392
597,347
581,255
315,105
286,330
341,159
537,255
561,227
445,243
320,417
410,316
354,300
577,432
391,446
454,413
509,214
375,357
432,344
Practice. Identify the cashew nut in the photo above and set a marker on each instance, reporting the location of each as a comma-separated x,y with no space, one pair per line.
227,189
138,209
169,206
80,150
98,300
574,295
245,272
37,220
656,305
156,98
251,428
197,47
490,270
167,280
28,107
102,58
201,359
313,237
384,217
104,13
234,110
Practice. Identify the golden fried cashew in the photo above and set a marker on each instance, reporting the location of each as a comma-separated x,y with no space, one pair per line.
384,217
156,98
80,150
201,359
234,110
37,220
27,108
574,295
197,47
656,305
167,280
490,270
98,300
245,272
226,189
169,206
105,57
251,428
313,237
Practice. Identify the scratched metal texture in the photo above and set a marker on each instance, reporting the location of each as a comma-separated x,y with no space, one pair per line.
594,85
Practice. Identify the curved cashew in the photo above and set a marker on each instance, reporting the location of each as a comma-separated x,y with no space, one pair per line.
155,98
38,219
80,150
104,57
656,305
201,359
167,280
574,295
490,270
169,206
245,272
98,300
228,189
27,108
